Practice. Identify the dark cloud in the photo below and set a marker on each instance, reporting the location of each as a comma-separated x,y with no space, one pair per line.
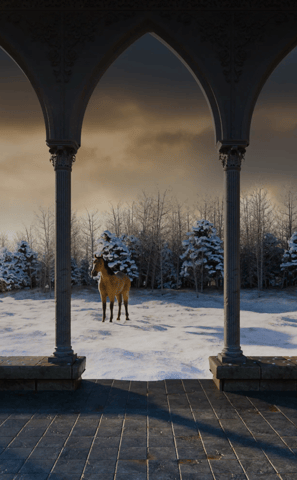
146,123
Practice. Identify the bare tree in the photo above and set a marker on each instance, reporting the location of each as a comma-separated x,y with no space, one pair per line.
115,220
45,243
90,225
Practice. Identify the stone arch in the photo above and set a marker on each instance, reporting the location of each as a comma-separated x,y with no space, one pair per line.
258,86
29,73
121,45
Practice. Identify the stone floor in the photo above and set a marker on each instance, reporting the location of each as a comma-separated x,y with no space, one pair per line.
172,429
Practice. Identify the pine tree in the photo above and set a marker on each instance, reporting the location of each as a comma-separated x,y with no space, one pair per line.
272,253
26,261
203,256
289,261
8,278
85,272
134,246
168,269
117,255
75,272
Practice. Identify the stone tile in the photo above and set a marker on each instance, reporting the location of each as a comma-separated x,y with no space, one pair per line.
18,453
132,442
259,466
24,442
79,442
37,466
199,467
105,468
75,467
4,441
163,470
270,476
31,476
199,476
132,467
133,453
109,431
74,453
52,441
10,465
191,453
106,442
39,453
226,467
161,453
161,441
98,453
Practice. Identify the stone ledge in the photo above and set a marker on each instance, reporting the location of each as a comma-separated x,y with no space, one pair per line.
256,374
36,373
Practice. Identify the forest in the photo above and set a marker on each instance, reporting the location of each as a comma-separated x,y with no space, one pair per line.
160,243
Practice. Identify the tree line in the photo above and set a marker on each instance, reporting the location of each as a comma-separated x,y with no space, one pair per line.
170,244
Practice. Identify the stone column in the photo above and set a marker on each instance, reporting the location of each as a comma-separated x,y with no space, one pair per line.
62,159
231,157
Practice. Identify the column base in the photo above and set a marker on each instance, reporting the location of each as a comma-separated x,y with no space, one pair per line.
225,358
67,360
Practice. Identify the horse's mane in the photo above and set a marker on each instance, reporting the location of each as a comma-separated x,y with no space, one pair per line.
109,270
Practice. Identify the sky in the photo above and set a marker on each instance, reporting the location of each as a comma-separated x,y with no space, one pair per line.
147,125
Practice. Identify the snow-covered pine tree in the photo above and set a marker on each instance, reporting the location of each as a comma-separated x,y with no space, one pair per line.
203,256
134,246
75,272
168,269
8,278
26,263
85,272
272,258
117,255
289,261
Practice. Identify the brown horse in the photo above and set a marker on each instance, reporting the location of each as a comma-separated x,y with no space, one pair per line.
111,285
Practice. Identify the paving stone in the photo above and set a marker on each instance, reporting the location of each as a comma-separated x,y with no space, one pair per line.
198,467
133,453
163,470
31,476
40,466
98,453
74,453
106,442
10,465
39,453
65,466
131,442
160,441
52,441
132,467
161,453
259,466
105,468
79,442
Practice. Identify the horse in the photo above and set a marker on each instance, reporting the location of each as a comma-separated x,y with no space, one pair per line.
110,285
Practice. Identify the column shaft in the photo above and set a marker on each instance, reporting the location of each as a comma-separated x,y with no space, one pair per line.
62,161
231,159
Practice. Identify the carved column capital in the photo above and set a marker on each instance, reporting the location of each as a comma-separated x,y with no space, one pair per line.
62,157
232,156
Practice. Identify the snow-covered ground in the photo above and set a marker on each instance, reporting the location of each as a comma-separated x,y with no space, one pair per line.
167,336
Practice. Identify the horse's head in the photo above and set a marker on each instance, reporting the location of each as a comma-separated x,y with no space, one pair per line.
98,263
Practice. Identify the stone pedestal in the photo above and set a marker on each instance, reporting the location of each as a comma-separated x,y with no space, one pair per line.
255,374
36,374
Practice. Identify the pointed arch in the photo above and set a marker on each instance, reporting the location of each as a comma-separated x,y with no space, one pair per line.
24,67
131,36
258,87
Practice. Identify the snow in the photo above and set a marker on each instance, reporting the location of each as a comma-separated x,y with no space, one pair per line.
167,336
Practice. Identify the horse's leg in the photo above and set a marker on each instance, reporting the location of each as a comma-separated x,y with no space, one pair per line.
126,296
111,301
103,298
119,299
